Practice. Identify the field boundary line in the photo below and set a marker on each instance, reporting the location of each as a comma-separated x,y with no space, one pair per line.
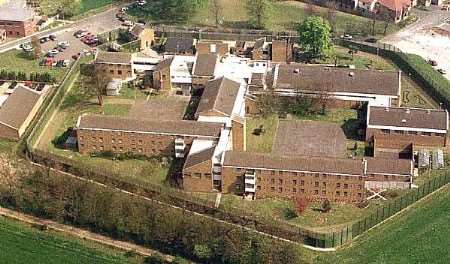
80,233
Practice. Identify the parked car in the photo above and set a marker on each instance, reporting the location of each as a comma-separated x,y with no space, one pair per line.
142,21
442,71
64,44
27,48
432,62
52,53
347,37
372,40
66,63
44,39
59,63
52,37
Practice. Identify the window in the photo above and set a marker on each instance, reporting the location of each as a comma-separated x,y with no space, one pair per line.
187,175
324,192
111,71
360,187
412,132
316,184
345,186
294,182
280,189
140,142
197,175
385,131
324,184
280,173
426,133
338,193
302,190
339,177
345,194
316,192
258,187
100,139
294,173
398,132
317,175
280,181
119,72
208,175
120,141
114,148
140,150
338,185
272,189
113,141
272,181
302,182
294,190
360,195
272,172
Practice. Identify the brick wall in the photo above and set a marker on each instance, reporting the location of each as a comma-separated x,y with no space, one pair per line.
116,71
91,141
198,178
390,138
238,135
282,184
18,29
281,51
161,80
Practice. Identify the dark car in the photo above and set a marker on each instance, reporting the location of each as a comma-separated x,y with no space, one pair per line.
372,40
142,21
52,37
442,71
60,63
43,39
432,62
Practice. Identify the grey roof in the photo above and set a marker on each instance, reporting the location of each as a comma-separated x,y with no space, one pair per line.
219,95
408,117
205,64
18,106
175,127
179,45
164,64
317,164
11,11
333,79
310,138
198,158
113,57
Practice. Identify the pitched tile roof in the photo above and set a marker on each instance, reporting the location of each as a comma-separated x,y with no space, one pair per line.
205,64
11,11
137,30
333,79
164,64
395,5
18,106
295,163
200,157
316,164
175,127
219,95
389,166
113,57
408,117
179,45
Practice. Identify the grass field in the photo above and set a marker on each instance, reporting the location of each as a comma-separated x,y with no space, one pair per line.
19,61
88,5
285,15
22,244
419,235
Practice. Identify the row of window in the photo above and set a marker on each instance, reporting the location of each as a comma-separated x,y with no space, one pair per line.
198,175
401,132
316,192
294,173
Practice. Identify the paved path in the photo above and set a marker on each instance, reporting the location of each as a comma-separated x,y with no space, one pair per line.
81,233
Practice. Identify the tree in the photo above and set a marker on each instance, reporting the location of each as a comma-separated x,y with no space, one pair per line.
301,203
60,7
258,12
94,84
37,49
314,36
326,206
216,9
267,104
332,15
384,16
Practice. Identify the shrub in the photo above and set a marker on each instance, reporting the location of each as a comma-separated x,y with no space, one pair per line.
301,204
326,206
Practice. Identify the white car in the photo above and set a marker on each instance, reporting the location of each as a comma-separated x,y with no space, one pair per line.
347,37
64,44
53,52
27,48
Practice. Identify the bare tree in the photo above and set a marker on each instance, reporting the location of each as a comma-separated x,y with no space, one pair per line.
216,9
36,44
94,84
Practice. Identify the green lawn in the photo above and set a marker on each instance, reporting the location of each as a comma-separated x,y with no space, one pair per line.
22,244
88,5
19,61
419,235
414,96
263,142
285,15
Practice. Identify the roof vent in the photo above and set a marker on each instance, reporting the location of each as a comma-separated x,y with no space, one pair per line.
403,120
297,70
351,74
408,111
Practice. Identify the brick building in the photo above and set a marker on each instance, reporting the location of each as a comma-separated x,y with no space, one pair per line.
98,133
161,76
18,111
398,128
217,47
204,69
179,46
282,51
115,65
18,21
145,35
315,178
341,87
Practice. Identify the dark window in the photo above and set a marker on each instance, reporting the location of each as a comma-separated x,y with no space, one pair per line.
280,189
302,182
338,185
316,184
294,190
197,175
272,189
316,191
294,182
280,181
345,185
272,181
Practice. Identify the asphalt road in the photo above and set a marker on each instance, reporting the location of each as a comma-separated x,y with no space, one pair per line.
103,22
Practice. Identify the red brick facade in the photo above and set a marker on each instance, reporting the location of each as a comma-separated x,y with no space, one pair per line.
18,29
